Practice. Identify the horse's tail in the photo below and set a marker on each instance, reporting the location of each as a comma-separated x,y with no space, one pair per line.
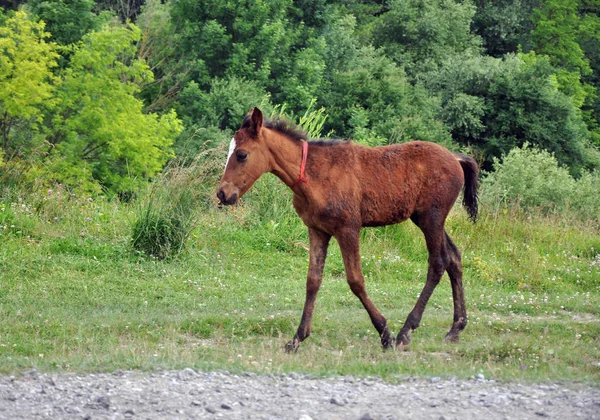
471,171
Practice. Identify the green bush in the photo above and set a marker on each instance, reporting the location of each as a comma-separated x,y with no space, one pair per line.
532,178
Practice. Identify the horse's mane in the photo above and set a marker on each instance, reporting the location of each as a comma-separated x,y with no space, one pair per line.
291,130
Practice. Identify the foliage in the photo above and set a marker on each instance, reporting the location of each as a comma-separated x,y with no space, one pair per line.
372,100
504,25
158,48
494,105
26,82
532,178
485,76
100,129
421,34
67,21
246,40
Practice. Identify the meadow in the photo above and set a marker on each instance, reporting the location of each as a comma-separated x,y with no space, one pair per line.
75,295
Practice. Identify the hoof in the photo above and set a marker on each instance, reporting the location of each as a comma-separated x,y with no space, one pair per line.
403,340
388,343
292,346
451,337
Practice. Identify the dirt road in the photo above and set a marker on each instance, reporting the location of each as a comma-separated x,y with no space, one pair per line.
191,394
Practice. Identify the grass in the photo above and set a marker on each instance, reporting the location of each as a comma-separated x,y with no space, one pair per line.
74,295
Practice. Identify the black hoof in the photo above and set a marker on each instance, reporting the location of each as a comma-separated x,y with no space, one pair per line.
388,342
292,346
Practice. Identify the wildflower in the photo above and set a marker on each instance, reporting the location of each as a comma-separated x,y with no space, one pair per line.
87,219
49,192
90,199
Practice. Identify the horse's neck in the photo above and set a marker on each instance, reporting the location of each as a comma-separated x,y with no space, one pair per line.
286,157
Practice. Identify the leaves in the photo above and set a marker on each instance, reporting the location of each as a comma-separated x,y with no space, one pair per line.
26,62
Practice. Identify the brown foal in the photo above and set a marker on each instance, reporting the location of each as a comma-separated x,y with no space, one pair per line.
340,186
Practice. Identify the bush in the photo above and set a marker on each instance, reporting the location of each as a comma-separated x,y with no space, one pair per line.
532,178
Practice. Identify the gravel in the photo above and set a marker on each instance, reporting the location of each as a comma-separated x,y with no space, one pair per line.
192,394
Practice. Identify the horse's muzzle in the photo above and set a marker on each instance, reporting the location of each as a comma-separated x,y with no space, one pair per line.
228,201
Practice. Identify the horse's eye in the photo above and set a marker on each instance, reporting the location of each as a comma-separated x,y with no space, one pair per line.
241,156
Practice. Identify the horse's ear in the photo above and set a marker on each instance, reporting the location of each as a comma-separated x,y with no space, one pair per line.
256,121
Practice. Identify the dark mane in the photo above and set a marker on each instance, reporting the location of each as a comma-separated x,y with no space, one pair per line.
286,127
291,130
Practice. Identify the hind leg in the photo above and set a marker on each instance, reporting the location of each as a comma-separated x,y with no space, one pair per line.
433,230
454,270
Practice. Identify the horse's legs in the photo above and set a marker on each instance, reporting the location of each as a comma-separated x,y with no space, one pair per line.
433,230
454,270
349,245
319,241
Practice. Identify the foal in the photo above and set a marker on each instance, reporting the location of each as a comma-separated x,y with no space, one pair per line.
339,187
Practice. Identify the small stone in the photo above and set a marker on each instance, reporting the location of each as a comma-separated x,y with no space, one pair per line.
541,414
186,374
305,417
435,379
100,403
226,406
337,402
129,412
197,403
211,410
366,416
480,377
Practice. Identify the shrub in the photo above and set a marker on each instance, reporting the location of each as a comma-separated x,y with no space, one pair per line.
532,178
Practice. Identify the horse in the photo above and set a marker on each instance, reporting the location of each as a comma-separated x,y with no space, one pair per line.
340,187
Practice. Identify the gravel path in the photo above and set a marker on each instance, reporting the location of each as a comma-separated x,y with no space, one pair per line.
190,394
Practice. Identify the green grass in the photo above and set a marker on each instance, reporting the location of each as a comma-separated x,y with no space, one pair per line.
74,296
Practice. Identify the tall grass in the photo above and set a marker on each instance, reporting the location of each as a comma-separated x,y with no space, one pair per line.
167,213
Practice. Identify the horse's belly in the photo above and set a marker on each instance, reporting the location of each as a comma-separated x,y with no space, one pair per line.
386,214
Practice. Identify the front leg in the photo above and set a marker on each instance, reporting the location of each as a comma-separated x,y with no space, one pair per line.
319,241
349,245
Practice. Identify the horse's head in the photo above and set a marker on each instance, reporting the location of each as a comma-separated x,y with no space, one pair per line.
247,159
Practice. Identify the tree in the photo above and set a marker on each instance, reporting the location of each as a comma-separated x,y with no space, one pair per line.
101,136
68,21
494,105
26,81
504,25
370,98
158,48
420,34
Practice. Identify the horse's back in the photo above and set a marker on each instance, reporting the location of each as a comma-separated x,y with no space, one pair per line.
398,180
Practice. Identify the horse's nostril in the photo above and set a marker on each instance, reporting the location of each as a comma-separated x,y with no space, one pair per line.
221,196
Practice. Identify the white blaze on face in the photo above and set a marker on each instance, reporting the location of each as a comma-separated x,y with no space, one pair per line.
232,146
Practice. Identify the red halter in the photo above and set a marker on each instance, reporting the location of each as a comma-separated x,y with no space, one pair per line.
302,178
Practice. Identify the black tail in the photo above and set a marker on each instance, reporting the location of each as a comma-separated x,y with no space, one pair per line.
471,171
